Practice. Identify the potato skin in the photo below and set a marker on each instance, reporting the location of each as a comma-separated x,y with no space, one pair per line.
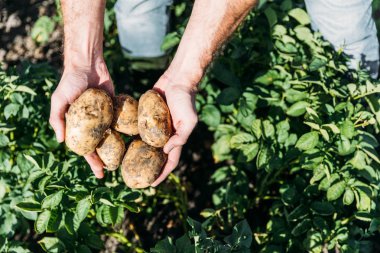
125,115
154,120
142,164
87,120
111,150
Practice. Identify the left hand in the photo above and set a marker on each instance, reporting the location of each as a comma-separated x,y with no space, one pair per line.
180,99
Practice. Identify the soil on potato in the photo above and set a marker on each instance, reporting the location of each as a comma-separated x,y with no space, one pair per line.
16,20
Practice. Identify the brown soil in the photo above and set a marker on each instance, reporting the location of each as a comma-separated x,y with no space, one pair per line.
16,21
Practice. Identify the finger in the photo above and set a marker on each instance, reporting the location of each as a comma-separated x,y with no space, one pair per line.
108,87
58,109
181,135
170,165
96,164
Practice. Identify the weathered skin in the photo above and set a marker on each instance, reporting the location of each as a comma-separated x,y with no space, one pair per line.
87,120
142,164
154,121
111,150
125,115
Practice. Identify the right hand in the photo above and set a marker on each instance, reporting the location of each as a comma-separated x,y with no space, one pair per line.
74,81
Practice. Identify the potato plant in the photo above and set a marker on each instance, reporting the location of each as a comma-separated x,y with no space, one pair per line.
295,141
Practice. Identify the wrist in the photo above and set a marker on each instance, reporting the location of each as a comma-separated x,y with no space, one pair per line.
83,48
184,73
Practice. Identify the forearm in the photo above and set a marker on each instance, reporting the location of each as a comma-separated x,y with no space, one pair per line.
83,32
210,25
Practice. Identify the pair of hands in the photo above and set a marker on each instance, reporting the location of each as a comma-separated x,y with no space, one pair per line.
179,97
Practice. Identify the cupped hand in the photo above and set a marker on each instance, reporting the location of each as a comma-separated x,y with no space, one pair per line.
181,103
74,81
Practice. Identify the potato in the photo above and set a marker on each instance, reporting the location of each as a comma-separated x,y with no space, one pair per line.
154,121
142,164
111,150
125,115
87,120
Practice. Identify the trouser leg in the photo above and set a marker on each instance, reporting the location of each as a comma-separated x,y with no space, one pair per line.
142,26
348,24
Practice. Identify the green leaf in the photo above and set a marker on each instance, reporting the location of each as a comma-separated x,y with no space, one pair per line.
335,191
29,206
332,127
42,29
52,245
322,208
304,34
83,249
348,197
224,75
373,154
113,215
297,109
106,202
298,213
171,40
256,128
293,95
54,221
210,115
82,209
165,245
52,200
268,77
42,221
268,129
359,160
32,160
301,227
364,203
308,141
183,244
316,63
347,129
4,140
241,138
228,96
300,15
364,216
271,16
11,110
250,151
26,89
241,236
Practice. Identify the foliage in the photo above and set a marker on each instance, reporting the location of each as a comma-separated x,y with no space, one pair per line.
304,127
295,141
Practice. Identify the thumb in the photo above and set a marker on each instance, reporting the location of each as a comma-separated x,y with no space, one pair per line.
183,132
58,109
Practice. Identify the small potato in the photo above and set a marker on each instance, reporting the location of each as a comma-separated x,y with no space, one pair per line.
154,121
125,115
87,120
142,164
111,150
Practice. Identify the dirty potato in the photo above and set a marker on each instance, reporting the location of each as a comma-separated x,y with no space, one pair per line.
87,120
142,164
111,150
154,121
125,115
